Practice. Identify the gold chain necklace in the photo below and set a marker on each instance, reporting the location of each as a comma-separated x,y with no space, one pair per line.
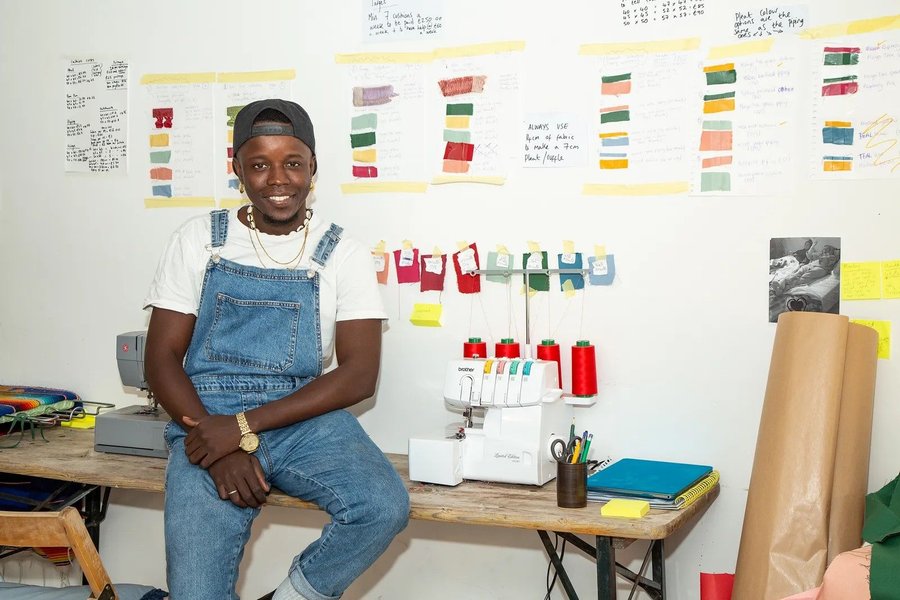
254,233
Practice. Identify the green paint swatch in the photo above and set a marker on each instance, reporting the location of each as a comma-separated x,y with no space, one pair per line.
715,182
615,78
842,58
717,125
720,77
718,96
366,121
539,282
457,135
839,79
161,157
460,109
360,140
232,112
615,116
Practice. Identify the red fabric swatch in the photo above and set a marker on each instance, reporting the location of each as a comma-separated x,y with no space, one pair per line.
407,268
464,261
433,281
716,586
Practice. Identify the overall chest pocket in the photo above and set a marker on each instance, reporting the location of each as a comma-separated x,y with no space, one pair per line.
258,334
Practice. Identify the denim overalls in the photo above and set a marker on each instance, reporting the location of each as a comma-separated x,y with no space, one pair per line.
257,339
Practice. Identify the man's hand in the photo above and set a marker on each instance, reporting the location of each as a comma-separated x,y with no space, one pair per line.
239,478
211,438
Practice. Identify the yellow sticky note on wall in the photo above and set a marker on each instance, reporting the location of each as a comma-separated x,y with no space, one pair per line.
861,281
426,315
890,279
884,335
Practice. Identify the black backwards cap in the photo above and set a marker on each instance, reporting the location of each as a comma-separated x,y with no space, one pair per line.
300,127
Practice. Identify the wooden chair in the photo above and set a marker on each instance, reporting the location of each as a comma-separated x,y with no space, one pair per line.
59,529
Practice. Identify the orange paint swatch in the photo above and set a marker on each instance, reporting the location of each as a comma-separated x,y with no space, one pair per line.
161,174
716,68
456,166
716,140
716,161
838,165
619,163
714,106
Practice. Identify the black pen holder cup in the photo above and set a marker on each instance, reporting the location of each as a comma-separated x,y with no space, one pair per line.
571,485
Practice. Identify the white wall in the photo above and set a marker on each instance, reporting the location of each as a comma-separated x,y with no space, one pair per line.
682,337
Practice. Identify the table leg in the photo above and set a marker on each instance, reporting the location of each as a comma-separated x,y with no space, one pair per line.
93,512
658,557
558,565
606,569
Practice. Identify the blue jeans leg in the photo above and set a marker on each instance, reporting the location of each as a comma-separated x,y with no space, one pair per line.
330,460
205,535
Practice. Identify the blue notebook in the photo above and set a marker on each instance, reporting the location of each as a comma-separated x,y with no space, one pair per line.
646,478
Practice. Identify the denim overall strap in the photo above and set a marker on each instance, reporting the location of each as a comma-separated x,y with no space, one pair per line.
219,222
327,244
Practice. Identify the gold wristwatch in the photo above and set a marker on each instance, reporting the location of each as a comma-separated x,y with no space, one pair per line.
249,440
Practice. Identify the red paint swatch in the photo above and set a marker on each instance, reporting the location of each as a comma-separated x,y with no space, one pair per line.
840,89
362,171
163,117
459,151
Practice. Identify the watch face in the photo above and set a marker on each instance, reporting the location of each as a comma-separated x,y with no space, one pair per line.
249,442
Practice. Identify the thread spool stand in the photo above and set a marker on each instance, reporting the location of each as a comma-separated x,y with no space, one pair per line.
507,273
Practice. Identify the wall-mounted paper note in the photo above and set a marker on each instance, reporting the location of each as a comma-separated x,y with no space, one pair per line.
570,261
554,140
464,262
426,315
771,20
497,261
538,282
890,279
401,20
382,266
884,335
861,281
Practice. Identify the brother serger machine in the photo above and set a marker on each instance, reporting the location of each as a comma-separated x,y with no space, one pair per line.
524,409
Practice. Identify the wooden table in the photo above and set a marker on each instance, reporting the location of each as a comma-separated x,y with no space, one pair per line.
69,456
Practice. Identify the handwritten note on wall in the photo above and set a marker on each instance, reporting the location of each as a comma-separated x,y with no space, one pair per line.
553,140
386,20
772,20
644,12
96,115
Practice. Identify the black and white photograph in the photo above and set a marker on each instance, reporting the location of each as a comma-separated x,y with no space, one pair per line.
804,275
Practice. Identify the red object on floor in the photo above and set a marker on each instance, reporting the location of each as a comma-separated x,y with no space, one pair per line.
716,586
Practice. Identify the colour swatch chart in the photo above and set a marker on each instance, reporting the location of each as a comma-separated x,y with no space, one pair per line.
233,92
855,129
384,100
178,150
750,119
476,112
645,110
96,115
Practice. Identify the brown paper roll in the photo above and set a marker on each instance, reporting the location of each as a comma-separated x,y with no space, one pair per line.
818,361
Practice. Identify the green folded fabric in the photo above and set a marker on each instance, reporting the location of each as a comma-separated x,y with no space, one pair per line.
881,529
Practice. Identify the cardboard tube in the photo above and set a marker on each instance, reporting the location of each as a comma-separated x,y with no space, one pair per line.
788,522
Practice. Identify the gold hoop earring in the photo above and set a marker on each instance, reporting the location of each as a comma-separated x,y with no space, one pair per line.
241,187
312,186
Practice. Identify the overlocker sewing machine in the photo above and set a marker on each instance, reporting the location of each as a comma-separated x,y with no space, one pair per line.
136,429
524,409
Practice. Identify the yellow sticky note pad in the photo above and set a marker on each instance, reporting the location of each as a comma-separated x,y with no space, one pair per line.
426,315
884,335
890,279
86,422
626,508
861,281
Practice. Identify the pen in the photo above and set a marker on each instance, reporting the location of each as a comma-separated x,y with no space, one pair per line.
587,447
572,431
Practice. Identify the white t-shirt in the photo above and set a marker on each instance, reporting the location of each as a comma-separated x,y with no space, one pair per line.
348,288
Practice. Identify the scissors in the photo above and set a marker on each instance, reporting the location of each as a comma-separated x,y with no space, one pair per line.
563,451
